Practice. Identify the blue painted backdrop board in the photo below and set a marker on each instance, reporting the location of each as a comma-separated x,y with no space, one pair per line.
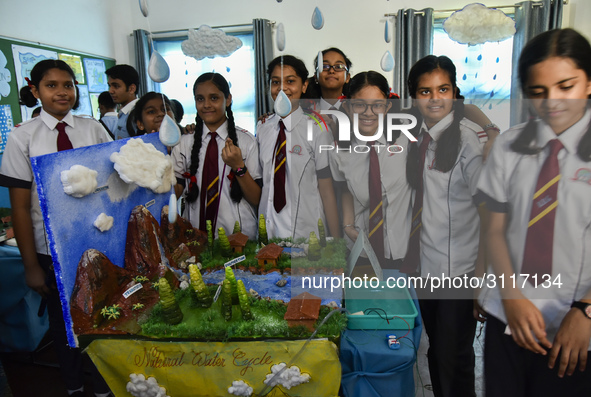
69,220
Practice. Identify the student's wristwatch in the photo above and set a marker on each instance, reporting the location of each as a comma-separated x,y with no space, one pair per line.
241,171
585,307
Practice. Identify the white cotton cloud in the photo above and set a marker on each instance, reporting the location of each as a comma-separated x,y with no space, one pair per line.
139,386
79,181
477,24
209,43
289,378
240,388
141,163
103,222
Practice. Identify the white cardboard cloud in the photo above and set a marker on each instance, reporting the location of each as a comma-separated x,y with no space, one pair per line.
477,24
209,43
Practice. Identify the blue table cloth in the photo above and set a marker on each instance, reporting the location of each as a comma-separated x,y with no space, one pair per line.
371,368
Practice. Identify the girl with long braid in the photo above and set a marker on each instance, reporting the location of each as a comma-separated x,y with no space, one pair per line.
217,167
443,167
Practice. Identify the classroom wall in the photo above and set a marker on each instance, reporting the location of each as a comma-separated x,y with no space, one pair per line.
103,27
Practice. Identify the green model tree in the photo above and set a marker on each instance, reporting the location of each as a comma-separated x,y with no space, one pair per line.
321,233
244,301
236,228
225,248
226,300
313,248
232,279
209,227
263,238
201,297
170,308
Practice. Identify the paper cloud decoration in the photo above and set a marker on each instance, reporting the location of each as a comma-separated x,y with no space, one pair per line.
477,24
209,43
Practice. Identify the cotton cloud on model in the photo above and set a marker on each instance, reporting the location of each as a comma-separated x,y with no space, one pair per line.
140,163
477,24
209,43
240,388
79,181
289,378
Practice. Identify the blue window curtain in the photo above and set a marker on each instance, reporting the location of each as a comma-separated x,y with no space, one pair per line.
263,54
531,19
143,51
413,41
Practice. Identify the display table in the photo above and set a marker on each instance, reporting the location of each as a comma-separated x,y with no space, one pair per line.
209,368
371,368
21,329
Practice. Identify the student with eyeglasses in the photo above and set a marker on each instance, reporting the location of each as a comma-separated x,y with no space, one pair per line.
331,84
371,176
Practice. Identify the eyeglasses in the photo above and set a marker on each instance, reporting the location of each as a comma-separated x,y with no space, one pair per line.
339,67
361,107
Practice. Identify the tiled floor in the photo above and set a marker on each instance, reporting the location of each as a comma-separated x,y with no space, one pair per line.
421,373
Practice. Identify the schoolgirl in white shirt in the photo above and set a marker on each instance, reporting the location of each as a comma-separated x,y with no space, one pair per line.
369,100
536,184
237,163
54,83
445,166
308,186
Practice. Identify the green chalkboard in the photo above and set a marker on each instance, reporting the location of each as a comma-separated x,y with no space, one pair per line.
91,80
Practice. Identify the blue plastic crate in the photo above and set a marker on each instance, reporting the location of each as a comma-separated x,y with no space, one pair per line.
393,308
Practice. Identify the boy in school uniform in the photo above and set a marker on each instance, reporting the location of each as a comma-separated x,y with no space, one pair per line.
123,83
108,112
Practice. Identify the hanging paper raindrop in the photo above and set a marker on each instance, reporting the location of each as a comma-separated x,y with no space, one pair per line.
492,93
169,134
282,105
144,7
387,62
172,210
479,57
186,85
466,61
497,59
228,69
464,77
387,31
476,75
158,69
495,77
280,37
320,61
490,106
317,19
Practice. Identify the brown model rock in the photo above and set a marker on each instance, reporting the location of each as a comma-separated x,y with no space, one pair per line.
142,246
181,232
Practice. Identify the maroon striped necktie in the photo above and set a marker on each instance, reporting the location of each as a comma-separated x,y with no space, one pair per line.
537,257
413,254
210,194
279,199
63,142
376,214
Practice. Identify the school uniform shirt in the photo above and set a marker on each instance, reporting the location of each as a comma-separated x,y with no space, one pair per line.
508,182
110,120
450,222
229,211
353,168
37,137
305,165
120,131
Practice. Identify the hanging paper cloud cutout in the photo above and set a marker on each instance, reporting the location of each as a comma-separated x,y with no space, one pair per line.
477,24
209,43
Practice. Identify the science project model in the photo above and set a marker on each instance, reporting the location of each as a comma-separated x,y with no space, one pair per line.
143,276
